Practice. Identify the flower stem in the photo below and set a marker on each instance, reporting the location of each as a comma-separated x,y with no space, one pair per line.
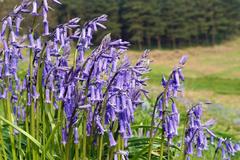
215,154
110,153
8,111
183,143
151,130
84,134
163,114
119,146
10,118
32,112
100,147
68,145
40,113
76,152
162,140
3,152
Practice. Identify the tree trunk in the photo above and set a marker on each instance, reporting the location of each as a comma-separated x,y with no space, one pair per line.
173,42
158,42
149,41
139,45
206,38
190,42
213,36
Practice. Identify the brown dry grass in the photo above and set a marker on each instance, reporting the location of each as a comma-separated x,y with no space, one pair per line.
222,61
203,61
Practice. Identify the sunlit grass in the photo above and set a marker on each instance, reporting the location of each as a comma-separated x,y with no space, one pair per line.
211,74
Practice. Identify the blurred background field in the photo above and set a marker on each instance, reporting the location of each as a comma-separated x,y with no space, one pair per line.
212,74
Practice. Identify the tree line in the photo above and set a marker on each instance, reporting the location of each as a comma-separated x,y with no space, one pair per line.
163,23
156,23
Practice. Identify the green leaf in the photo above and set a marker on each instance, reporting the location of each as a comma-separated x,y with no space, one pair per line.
31,138
37,143
51,137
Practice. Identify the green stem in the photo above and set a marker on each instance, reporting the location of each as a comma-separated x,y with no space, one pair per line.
111,153
43,134
151,130
84,133
60,121
10,118
28,141
41,113
84,124
183,137
20,146
215,154
119,146
163,114
76,152
32,112
169,152
162,140
3,152
8,111
68,145
100,147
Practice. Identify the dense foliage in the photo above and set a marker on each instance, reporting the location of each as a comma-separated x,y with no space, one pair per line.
76,101
161,23
157,23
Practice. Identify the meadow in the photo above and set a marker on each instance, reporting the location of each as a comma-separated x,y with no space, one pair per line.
212,74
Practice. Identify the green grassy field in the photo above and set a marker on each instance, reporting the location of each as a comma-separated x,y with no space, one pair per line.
212,74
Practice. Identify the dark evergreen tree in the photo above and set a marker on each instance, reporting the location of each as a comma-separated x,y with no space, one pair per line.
155,23
135,10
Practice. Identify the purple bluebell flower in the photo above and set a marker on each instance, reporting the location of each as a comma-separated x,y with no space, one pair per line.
76,137
57,1
45,4
34,10
111,139
64,136
10,23
104,85
31,40
183,60
100,127
237,147
47,100
4,26
45,21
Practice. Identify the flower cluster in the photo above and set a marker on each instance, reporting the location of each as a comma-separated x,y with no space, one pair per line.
227,148
198,134
104,87
195,135
170,117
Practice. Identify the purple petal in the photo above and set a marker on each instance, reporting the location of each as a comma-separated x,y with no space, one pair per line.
47,100
64,136
4,26
111,139
18,23
45,4
183,60
56,1
34,10
46,28
76,137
